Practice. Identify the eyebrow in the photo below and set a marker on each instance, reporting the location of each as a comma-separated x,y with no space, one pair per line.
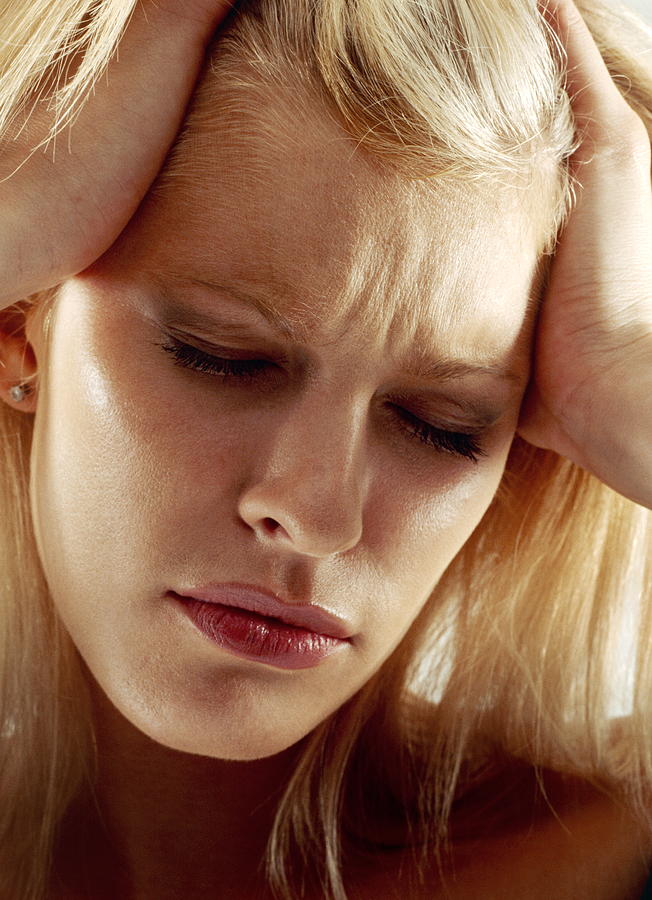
443,369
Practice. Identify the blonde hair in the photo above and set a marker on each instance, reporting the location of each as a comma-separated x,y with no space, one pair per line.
512,654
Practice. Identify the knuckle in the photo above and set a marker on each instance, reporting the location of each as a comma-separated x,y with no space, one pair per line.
628,137
635,134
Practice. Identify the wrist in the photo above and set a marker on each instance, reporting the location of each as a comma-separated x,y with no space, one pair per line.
622,453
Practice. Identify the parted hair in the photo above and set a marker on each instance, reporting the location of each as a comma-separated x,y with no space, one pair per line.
517,650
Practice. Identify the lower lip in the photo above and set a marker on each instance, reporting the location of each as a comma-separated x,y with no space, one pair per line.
259,638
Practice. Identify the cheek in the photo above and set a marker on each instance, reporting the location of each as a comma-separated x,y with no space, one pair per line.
424,511
412,534
118,464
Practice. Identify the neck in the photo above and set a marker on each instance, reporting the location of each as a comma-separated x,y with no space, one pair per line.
166,823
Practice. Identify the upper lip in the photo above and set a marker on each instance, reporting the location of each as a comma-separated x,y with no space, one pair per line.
260,600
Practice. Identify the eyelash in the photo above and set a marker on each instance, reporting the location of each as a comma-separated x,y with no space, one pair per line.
457,443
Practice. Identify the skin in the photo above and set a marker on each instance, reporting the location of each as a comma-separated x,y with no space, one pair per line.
94,176
306,482
160,697
589,395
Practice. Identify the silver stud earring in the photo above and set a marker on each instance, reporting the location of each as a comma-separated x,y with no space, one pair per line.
18,392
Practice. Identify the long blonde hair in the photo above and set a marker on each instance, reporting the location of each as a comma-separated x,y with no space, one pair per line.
514,652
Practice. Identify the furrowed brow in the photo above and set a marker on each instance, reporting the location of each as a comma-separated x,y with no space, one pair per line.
451,369
289,328
441,369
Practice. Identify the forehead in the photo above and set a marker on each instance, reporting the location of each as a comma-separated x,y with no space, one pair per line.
283,204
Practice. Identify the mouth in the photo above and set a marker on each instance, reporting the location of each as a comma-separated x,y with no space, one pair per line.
259,600
262,639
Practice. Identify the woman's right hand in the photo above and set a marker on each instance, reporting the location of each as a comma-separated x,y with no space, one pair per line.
59,212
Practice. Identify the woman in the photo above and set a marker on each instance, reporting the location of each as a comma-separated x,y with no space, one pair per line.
326,466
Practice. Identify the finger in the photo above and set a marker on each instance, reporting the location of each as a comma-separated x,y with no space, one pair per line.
595,97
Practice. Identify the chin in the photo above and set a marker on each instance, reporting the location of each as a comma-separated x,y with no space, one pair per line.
241,742
227,724
238,749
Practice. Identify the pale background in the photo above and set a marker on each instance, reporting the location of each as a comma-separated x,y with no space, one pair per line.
642,7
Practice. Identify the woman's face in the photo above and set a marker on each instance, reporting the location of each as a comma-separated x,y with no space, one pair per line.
305,477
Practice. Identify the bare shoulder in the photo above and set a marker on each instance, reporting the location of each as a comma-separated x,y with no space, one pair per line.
595,851
521,833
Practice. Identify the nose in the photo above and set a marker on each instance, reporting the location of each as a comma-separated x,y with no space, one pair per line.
309,483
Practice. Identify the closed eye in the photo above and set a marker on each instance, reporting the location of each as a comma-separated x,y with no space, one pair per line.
192,358
461,444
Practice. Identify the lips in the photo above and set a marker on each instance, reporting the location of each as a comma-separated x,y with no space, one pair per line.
259,600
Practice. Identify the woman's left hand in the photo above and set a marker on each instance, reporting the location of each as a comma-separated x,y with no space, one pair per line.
590,396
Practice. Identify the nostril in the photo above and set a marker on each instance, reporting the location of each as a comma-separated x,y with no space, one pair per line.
271,525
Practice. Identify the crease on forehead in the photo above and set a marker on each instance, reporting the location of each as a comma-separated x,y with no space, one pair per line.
241,135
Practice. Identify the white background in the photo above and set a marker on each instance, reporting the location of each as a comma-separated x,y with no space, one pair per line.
642,7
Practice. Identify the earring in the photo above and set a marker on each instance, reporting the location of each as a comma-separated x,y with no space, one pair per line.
18,392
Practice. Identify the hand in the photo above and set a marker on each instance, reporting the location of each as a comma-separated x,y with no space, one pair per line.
590,397
61,208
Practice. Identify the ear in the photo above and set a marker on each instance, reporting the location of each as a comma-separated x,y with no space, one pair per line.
18,364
